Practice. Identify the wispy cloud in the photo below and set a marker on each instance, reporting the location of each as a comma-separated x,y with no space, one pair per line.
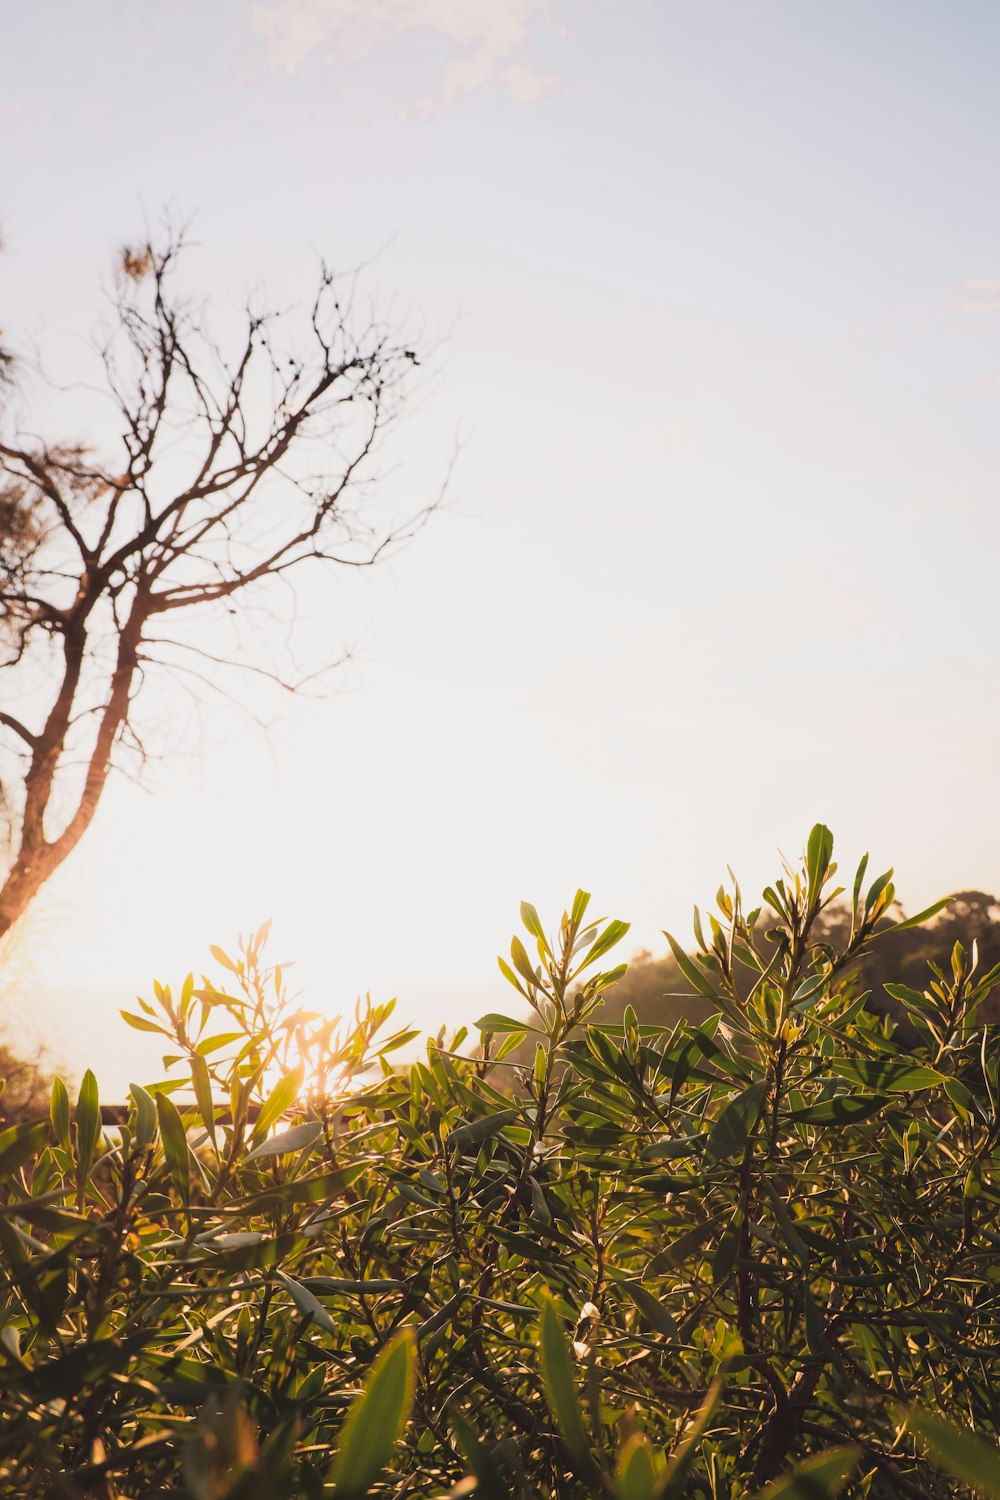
492,40
981,294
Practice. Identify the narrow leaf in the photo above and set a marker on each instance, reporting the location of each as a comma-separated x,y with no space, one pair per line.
295,1138
376,1420
816,1479
203,1093
88,1124
559,1378
59,1113
283,1096
18,1143
844,1109
922,916
307,1303
498,1025
673,1485
635,1477
652,1309
732,1129
964,1454
612,934
175,1146
476,1131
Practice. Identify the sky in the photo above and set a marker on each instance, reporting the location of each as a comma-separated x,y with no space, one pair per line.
713,298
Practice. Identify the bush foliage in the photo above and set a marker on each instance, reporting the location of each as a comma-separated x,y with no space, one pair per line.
654,985
755,1253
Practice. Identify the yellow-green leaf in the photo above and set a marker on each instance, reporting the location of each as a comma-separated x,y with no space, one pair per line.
376,1420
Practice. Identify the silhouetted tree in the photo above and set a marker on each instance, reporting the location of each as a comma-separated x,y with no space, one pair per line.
234,473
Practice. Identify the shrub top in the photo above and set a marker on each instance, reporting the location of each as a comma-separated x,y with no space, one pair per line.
654,1261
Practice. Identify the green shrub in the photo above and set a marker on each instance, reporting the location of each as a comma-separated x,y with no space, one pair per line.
759,1251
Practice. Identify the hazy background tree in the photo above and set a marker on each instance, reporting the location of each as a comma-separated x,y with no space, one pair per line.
656,989
240,463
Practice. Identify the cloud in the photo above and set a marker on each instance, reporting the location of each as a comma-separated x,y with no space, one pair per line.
982,294
492,39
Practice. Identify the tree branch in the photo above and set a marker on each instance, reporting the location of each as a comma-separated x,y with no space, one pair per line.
20,729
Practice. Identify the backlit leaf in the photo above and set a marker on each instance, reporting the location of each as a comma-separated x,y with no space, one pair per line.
969,1457
559,1379
376,1420
732,1129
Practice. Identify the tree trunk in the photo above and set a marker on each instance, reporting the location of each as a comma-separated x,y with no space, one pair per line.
38,857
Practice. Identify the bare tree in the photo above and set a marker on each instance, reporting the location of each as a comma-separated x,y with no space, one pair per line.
236,471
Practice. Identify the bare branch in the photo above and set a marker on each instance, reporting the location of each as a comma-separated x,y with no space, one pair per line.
233,473
19,729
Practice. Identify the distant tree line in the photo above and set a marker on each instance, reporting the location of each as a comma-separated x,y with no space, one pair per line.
659,994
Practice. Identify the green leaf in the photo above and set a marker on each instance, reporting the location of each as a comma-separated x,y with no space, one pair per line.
295,1138
324,1188
786,1224
816,1479
88,1125
819,1344
720,1057
59,1113
541,1063
522,963
727,1250
691,972
960,1096
203,1092
673,1486
510,1043
612,934
858,880
376,1419
498,1025
700,982
810,989
893,1077
652,1309
19,1143
511,977
175,1146
539,1207
250,1252
877,888
146,1119
635,1476
732,1129
580,903
44,1212
963,1454
283,1096
559,1379
906,995
844,1109
819,852
922,916
684,1245
307,1303
529,917
476,1131
490,1484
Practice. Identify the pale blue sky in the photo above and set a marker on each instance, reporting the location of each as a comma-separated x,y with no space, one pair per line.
719,286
